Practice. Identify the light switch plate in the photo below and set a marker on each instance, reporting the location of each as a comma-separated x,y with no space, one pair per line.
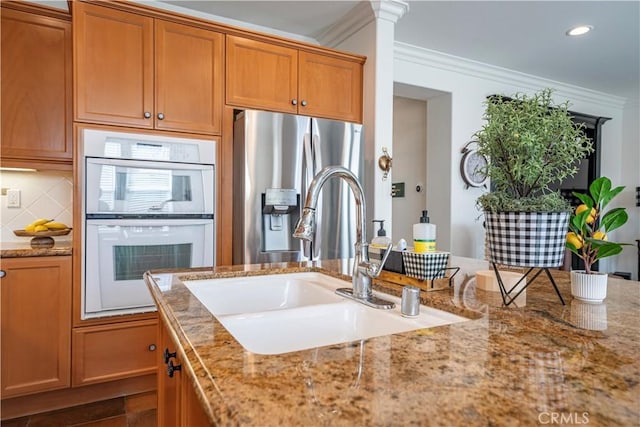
13,198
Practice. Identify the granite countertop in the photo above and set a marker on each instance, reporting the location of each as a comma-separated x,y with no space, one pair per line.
520,365
24,249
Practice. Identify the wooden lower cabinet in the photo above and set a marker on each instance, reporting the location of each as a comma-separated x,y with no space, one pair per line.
36,324
178,404
114,351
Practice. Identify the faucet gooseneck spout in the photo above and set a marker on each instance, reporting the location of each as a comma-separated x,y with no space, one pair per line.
363,269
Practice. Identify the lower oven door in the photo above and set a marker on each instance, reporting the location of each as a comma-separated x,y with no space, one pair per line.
118,252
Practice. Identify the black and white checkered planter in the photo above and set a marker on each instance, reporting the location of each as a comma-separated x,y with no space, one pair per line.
425,266
526,239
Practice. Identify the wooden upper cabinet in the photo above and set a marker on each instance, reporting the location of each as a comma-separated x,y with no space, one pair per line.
261,75
276,78
189,78
36,87
113,56
330,87
36,324
138,71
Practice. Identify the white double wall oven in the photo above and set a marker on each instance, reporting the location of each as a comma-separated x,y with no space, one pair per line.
149,204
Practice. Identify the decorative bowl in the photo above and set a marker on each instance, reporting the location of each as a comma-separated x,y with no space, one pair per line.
42,239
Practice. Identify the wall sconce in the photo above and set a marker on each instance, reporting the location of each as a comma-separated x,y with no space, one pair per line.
384,163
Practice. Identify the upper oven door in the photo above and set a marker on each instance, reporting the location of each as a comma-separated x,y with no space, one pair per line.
115,186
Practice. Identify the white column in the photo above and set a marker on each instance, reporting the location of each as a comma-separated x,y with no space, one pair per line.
370,30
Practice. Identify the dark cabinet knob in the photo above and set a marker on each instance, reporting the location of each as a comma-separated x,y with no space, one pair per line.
160,116
171,368
303,103
147,114
294,102
168,355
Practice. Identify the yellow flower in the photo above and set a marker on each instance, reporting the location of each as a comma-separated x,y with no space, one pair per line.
592,214
574,239
599,235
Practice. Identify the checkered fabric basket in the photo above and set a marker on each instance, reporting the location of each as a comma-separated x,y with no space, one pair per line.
526,239
425,266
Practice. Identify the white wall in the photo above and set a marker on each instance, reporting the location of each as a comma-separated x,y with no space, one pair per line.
409,164
469,83
630,178
44,194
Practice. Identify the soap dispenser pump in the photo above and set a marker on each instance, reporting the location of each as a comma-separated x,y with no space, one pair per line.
381,240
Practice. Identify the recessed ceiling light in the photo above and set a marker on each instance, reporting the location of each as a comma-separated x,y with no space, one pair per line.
579,30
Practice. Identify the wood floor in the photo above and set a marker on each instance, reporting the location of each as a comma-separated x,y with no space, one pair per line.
129,411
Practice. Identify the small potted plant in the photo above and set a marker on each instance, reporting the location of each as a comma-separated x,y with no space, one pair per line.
531,143
587,238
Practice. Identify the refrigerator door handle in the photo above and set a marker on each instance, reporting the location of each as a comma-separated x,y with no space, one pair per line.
307,176
309,164
316,144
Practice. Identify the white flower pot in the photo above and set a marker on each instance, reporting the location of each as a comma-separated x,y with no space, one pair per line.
588,287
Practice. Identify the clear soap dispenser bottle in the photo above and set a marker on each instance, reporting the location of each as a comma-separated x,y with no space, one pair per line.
381,240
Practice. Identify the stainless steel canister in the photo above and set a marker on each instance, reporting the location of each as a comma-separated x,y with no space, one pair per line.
410,305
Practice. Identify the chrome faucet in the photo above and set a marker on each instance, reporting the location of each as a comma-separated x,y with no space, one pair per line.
364,270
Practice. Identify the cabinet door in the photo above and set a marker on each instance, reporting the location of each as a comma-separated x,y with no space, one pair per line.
261,75
169,388
114,351
193,414
188,78
36,87
36,324
113,56
330,87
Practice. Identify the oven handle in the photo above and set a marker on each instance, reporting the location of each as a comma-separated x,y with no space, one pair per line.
148,222
146,164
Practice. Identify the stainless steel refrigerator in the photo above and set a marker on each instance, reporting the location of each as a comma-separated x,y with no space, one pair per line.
276,156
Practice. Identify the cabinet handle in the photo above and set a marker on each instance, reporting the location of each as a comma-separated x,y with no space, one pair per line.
303,103
168,355
147,114
152,347
2,273
294,102
160,116
171,368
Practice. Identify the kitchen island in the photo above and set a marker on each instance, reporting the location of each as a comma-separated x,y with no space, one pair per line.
535,363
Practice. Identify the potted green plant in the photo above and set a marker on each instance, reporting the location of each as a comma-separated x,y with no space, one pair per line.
588,239
531,143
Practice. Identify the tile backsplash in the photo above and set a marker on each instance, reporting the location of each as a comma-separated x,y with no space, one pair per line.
44,194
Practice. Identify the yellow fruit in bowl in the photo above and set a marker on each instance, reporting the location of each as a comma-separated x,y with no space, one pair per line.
40,221
574,239
30,228
599,235
41,228
592,214
55,225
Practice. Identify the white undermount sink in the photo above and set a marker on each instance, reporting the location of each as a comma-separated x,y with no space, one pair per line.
279,313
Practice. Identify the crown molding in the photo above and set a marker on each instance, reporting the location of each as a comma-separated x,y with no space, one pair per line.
364,13
356,19
223,20
389,10
456,64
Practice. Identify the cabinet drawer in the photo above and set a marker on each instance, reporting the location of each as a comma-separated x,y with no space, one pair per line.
115,351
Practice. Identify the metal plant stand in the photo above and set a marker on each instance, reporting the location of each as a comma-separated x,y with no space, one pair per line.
507,299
